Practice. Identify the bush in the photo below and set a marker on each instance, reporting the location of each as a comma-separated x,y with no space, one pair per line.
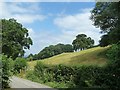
114,52
6,66
31,76
79,77
84,76
20,64
42,72
113,68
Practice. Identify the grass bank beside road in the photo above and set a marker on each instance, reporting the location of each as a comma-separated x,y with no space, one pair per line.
69,69
93,56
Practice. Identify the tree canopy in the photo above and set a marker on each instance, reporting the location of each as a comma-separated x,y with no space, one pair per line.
53,50
15,38
106,16
82,42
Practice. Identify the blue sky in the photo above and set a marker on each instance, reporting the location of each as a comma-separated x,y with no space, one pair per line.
52,22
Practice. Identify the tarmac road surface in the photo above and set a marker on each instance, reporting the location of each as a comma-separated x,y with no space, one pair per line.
17,82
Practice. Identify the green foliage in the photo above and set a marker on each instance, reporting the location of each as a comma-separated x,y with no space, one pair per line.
113,69
114,52
114,65
14,38
31,76
53,50
82,42
84,76
104,40
77,77
64,74
20,64
30,57
106,16
93,56
6,66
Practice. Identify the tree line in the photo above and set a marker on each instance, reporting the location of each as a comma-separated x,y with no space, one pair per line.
15,39
80,43
52,50
105,15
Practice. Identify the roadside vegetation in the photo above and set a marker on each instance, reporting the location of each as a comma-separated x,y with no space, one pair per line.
15,40
93,56
89,67
84,76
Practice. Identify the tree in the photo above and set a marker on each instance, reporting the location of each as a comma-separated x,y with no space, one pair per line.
64,48
82,42
106,16
35,57
90,42
68,48
30,57
15,38
53,50
104,40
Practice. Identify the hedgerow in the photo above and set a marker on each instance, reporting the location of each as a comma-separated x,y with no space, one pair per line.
6,68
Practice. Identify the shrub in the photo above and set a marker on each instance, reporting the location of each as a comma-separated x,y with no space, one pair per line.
6,66
78,77
84,76
113,68
31,76
114,52
42,72
20,64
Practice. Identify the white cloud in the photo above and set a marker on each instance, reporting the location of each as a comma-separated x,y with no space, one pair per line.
27,14
26,18
53,0
73,25
41,40
70,26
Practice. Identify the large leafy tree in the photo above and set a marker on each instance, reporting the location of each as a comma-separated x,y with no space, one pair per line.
15,38
106,16
82,42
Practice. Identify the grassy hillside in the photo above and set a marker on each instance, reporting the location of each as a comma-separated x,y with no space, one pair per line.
93,56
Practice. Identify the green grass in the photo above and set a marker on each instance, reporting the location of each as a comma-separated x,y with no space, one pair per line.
93,56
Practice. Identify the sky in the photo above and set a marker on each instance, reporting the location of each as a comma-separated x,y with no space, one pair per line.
50,23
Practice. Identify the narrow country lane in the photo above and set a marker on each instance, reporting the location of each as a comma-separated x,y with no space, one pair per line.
17,82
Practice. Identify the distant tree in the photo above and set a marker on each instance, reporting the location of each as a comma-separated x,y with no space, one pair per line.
104,40
90,42
53,50
35,57
15,38
82,42
106,16
30,57
68,48
64,48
